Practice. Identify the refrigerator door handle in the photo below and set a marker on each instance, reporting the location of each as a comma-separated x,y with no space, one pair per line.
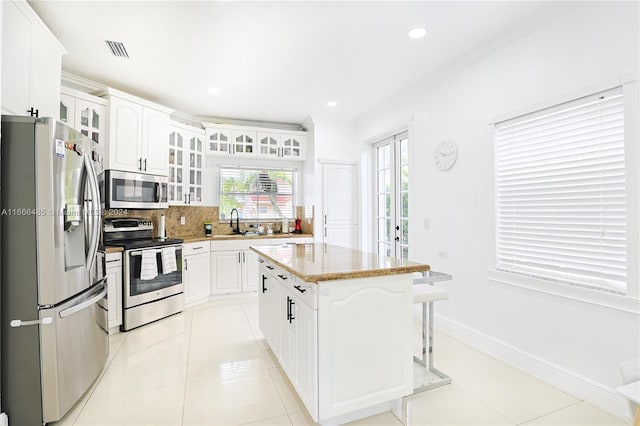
84,305
95,202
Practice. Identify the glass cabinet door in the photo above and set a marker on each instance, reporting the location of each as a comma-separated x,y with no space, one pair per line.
292,147
176,195
268,144
67,108
90,119
244,143
219,142
195,169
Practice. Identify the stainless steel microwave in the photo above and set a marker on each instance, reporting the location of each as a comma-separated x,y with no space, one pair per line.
126,190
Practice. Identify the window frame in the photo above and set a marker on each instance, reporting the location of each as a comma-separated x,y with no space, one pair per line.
294,189
628,302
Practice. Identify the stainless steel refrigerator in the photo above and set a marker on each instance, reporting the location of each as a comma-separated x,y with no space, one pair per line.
54,338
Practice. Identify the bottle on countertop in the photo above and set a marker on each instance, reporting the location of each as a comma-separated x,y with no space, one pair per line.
285,226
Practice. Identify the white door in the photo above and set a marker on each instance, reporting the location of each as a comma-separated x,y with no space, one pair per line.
125,135
225,272
306,356
340,204
197,280
250,272
155,138
392,196
114,292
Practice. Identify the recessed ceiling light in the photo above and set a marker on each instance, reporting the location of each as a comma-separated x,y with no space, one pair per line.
417,33
213,90
332,103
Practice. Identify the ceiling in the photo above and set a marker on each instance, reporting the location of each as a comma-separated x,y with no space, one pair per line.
277,62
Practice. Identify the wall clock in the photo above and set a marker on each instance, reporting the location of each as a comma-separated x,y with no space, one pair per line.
446,155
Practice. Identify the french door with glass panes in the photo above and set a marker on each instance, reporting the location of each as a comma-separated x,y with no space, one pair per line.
392,196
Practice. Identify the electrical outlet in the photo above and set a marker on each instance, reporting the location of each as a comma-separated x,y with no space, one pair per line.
183,221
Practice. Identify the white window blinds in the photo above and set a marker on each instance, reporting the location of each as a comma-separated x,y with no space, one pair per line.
560,184
259,194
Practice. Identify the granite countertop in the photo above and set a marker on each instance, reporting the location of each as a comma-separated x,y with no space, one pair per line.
324,262
198,238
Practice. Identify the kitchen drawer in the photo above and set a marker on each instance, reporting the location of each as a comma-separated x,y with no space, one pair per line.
195,248
307,292
114,259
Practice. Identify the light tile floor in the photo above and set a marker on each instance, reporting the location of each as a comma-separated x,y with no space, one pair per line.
210,366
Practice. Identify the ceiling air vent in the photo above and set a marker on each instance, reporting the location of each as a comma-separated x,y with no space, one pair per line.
117,49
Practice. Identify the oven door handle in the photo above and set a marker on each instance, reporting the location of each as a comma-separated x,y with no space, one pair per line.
139,252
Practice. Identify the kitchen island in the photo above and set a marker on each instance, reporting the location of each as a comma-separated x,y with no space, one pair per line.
340,323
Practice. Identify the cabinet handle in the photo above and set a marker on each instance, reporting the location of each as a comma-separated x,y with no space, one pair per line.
291,317
145,164
33,113
282,277
185,264
264,279
198,248
239,258
288,310
185,198
325,219
140,163
269,267
260,260
299,288
189,197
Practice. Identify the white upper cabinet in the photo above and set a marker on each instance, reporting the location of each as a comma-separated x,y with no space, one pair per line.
186,162
244,142
138,134
281,145
225,140
218,141
85,113
31,63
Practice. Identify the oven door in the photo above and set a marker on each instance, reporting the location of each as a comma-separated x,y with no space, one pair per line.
125,190
141,288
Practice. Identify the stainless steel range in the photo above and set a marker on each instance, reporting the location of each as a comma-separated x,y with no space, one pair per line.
152,271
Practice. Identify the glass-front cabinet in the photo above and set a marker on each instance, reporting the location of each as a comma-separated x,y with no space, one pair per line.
176,165
84,112
254,142
219,141
196,161
186,162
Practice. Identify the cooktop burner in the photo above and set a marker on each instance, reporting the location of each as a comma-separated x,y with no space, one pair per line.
144,243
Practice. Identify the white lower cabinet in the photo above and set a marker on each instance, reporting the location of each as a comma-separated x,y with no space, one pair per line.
289,321
114,288
355,354
196,272
234,267
225,272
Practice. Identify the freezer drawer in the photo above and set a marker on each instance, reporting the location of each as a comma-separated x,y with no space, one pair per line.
73,350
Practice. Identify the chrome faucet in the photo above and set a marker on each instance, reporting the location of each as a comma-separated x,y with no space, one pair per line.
236,230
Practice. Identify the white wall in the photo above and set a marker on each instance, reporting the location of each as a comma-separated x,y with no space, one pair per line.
584,342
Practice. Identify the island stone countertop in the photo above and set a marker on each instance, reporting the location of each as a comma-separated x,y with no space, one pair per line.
198,238
324,262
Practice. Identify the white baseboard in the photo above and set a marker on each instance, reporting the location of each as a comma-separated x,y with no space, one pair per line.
567,381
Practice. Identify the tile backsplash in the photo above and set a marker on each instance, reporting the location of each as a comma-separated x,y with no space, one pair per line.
195,217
